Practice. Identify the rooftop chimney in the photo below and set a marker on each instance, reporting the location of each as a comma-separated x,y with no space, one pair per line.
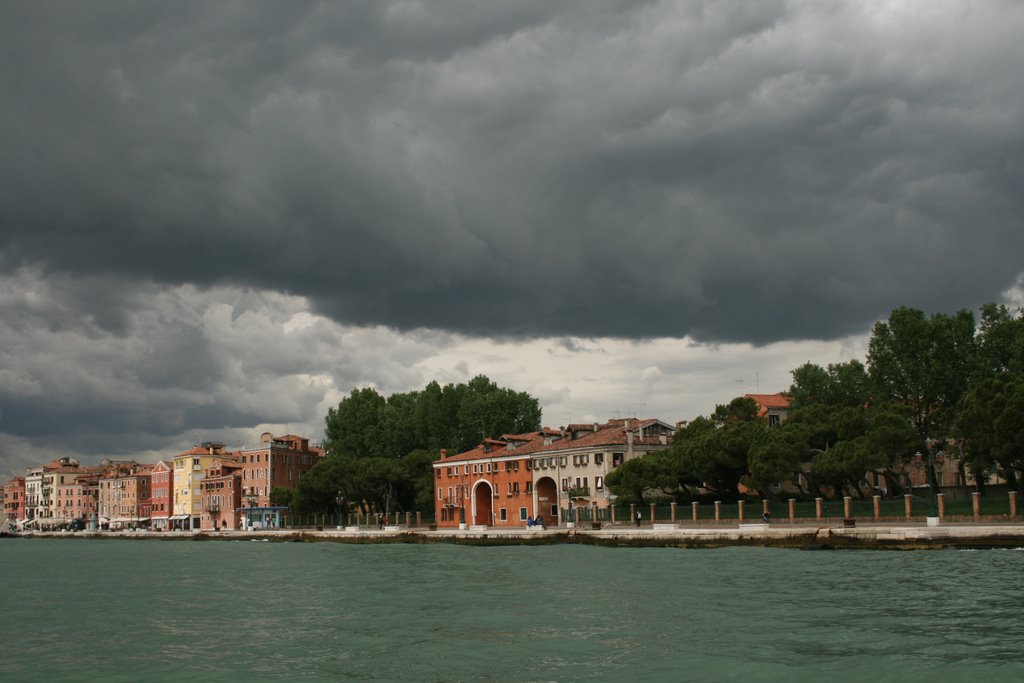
444,453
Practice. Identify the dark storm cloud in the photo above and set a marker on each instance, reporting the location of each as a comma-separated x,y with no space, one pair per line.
728,170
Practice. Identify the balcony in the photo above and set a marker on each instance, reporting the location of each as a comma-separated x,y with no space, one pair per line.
578,492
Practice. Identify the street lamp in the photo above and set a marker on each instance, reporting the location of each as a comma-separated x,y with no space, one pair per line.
340,500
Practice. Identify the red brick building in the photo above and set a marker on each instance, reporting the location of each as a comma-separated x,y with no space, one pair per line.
277,462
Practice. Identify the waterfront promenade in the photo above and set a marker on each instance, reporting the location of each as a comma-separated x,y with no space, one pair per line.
812,535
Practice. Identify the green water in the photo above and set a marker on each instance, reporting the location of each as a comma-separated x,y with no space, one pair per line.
80,610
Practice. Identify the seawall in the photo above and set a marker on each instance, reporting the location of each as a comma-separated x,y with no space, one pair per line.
816,537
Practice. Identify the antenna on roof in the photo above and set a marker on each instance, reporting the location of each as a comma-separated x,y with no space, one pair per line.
757,382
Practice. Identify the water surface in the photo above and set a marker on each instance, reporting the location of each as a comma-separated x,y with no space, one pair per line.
121,610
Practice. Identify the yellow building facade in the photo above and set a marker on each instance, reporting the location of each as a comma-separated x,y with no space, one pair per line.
189,470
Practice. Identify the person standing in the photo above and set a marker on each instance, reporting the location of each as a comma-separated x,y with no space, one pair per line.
638,516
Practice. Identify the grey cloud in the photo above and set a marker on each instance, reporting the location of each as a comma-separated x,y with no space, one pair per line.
731,171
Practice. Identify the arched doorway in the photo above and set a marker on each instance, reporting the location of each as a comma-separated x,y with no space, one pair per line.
483,503
547,499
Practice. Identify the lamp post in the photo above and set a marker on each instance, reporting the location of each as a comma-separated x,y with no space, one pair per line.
340,500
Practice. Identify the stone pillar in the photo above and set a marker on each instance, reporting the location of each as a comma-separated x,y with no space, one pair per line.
907,504
941,498
847,507
632,513
1013,503
673,508
718,510
654,512
817,508
693,507
613,512
739,506
792,510
976,504
876,502
419,518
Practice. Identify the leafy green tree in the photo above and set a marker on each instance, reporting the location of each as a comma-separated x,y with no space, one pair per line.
714,452
1001,341
844,384
632,478
353,428
925,363
772,458
455,417
991,420
281,495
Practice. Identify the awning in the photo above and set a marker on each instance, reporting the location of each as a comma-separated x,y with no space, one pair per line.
179,517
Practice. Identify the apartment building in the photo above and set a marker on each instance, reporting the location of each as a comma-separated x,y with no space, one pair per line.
278,462
221,496
504,481
161,503
190,468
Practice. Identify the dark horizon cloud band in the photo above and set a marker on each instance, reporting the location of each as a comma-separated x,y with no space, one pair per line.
730,171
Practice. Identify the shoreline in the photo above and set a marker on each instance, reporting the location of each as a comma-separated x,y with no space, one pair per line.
817,536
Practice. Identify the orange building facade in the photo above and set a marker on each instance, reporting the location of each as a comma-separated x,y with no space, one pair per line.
504,482
14,499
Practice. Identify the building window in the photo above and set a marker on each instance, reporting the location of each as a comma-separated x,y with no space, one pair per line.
598,458
529,487
522,514
616,459
599,483
503,514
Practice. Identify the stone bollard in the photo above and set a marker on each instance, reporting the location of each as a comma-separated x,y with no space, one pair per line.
672,507
792,510
694,506
941,498
1013,503
740,506
847,507
654,512
718,510
877,502
908,504
976,504
817,508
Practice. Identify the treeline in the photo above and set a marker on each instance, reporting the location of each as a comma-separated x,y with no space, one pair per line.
946,384
380,450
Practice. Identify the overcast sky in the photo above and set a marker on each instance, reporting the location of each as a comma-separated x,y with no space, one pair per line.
219,218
